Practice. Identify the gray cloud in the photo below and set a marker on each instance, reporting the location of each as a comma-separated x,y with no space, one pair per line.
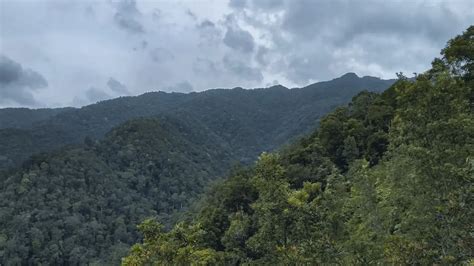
262,55
268,4
209,33
160,55
304,68
238,3
184,87
117,87
246,43
94,95
89,11
239,39
314,40
156,14
341,21
17,83
206,24
241,69
191,14
127,16
91,95
203,66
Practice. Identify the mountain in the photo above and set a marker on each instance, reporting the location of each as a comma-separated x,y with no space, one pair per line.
81,205
386,180
25,118
250,121
100,170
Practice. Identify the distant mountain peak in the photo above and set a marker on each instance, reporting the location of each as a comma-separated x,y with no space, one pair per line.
349,75
278,87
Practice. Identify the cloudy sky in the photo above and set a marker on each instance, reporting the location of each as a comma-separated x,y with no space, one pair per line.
75,52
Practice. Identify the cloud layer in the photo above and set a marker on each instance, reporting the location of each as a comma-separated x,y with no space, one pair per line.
78,46
127,16
18,84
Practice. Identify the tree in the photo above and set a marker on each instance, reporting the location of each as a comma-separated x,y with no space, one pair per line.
459,54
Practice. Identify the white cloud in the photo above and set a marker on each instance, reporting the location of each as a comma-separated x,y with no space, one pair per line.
154,45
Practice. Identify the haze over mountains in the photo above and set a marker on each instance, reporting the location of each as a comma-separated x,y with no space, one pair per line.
249,121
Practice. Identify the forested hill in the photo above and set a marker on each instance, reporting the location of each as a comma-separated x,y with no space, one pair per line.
251,121
81,205
25,118
387,180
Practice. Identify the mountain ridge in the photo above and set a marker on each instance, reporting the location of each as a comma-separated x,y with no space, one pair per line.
263,116
7,111
86,200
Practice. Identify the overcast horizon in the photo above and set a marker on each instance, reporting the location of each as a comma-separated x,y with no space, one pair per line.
73,53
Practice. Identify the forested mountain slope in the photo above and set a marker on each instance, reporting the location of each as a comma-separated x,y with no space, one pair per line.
250,120
386,180
25,118
81,205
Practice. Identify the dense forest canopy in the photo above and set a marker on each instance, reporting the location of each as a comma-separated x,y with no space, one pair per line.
81,203
386,180
251,121
236,132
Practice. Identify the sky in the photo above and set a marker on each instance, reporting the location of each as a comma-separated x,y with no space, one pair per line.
57,53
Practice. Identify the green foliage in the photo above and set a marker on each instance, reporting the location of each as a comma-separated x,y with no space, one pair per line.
24,118
357,131
459,54
81,205
179,247
387,180
248,121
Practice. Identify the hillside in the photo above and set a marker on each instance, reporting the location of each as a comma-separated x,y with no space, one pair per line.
251,121
25,118
236,132
387,180
81,205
